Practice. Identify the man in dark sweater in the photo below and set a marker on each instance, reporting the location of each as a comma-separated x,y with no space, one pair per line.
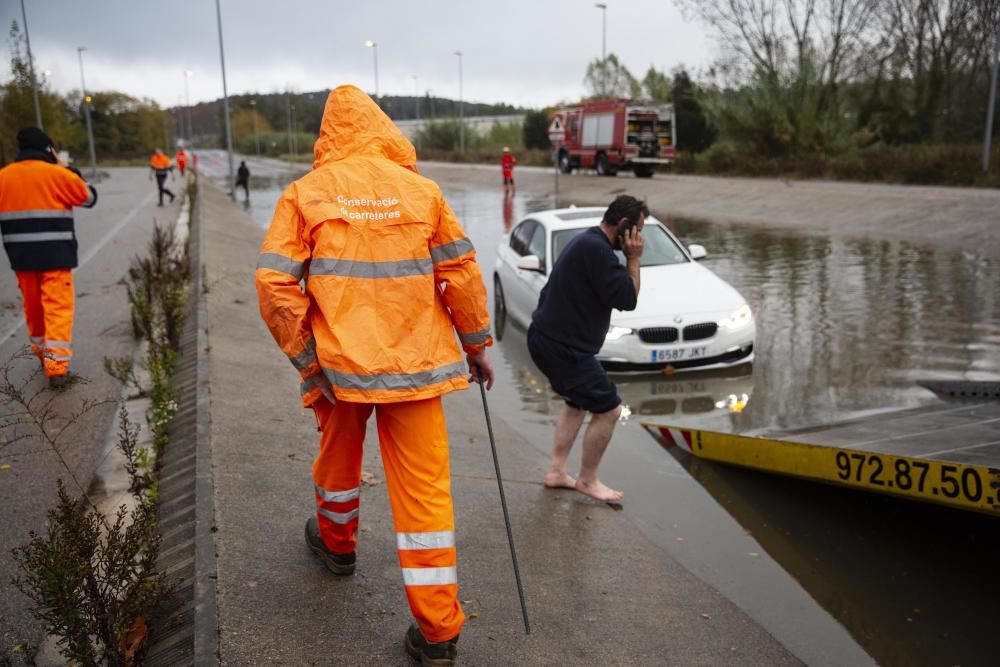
568,329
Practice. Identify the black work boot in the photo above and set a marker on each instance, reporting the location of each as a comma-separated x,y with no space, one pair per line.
436,654
342,564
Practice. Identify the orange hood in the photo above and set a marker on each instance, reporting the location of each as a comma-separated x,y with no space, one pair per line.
353,125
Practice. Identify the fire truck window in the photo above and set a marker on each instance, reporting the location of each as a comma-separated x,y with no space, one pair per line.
536,246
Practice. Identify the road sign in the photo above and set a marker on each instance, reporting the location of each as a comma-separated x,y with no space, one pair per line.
556,130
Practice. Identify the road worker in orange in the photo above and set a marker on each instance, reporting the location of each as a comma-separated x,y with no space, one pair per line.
160,166
37,196
181,159
389,278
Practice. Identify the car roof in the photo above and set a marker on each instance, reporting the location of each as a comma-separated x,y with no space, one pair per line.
573,217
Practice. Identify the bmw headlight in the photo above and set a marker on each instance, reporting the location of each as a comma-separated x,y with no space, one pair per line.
616,332
738,318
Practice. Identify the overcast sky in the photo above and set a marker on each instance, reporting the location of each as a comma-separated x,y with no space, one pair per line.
531,53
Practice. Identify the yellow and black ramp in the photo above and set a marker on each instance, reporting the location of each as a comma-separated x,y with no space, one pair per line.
947,454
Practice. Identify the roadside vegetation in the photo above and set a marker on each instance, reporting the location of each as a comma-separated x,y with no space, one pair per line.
92,577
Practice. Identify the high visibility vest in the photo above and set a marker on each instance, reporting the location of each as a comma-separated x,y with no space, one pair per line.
36,214
390,276
160,163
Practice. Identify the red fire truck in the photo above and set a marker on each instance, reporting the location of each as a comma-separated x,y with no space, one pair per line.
609,135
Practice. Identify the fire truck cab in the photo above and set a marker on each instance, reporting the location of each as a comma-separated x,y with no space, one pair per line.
609,135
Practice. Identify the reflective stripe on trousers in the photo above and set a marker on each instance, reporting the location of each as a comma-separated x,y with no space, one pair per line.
413,439
48,312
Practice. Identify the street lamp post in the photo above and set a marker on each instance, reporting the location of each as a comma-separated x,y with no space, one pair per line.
253,118
225,103
31,70
288,109
374,47
187,103
416,100
86,113
461,108
993,98
604,46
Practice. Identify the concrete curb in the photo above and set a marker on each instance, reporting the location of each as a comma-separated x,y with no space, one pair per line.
185,631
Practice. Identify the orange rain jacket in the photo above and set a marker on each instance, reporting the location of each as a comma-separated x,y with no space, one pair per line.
389,273
36,212
160,163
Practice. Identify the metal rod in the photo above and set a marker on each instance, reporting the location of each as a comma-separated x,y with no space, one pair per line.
225,98
31,69
989,111
506,515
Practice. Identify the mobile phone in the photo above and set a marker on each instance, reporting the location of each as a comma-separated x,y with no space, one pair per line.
620,233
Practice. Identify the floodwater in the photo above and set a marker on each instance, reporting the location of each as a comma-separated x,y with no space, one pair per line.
845,327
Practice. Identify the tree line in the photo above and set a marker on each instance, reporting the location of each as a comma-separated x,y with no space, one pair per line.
124,126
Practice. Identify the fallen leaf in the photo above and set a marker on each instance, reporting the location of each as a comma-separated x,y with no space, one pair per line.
16,648
706,617
368,479
753,554
474,614
251,584
588,517
5,467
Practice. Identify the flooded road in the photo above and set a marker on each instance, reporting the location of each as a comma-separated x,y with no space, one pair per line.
845,327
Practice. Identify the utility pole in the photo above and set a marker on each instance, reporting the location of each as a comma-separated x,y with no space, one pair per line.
187,105
86,113
461,108
225,104
987,141
253,118
31,70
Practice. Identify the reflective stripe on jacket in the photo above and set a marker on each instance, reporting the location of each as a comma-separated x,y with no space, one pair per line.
390,274
36,216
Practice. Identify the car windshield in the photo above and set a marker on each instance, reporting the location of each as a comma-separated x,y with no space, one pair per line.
659,248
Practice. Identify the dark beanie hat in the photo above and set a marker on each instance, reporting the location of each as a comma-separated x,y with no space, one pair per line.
32,137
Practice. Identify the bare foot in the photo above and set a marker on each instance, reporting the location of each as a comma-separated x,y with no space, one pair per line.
598,490
559,480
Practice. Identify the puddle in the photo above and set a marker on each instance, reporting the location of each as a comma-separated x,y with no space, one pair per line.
844,327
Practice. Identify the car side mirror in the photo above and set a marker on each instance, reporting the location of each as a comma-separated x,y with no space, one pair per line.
530,263
697,251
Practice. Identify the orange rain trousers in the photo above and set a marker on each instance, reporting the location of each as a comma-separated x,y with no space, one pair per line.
48,310
413,439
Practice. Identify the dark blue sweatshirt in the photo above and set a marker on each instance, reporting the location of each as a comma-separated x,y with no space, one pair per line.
587,281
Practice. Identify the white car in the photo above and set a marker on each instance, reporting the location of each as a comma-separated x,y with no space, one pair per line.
687,317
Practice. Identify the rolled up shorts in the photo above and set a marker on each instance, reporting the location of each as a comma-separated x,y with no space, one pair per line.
576,376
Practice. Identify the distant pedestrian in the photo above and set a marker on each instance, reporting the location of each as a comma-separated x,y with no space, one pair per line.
37,196
568,329
390,279
160,166
243,179
507,163
180,158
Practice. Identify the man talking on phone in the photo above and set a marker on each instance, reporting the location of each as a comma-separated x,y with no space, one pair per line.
568,329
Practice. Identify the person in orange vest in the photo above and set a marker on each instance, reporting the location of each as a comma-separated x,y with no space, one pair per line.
507,163
390,277
159,165
180,157
37,196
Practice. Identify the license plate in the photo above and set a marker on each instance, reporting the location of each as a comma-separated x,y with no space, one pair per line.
679,353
